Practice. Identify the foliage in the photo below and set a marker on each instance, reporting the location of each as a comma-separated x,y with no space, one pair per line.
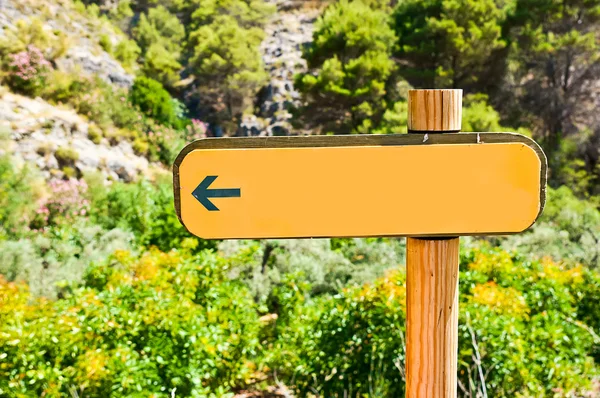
31,32
247,13
127,51
228,67
64,205
162,65
152,99
349,66
522,318
480,116
556,47
20,189
355,346
160,36
28,71
447,43
94,134
144,208
66,156
161,324
53,260
159,26
116,114
534,305
327,266
568,229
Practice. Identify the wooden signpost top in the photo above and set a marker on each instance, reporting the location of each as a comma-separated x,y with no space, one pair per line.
350,186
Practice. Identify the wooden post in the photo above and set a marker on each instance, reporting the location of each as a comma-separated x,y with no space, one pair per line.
432,272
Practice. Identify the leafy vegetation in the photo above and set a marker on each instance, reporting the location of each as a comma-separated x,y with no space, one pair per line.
349,66
104,293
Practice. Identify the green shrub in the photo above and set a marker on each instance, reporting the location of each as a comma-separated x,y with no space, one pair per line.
32,32
20,189
53,261
527,318
568,230
146,209
28,71
127,52
69,172
65,87
159,26
105,43
140,146
161,324
94,134
161,65
327,269
227,62
152,99
104,104
66,156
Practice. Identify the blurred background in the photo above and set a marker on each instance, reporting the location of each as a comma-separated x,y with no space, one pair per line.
104,294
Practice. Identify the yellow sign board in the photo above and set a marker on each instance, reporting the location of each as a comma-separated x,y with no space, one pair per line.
354,186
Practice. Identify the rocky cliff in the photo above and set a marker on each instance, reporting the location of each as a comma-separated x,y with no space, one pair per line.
83,54
36,130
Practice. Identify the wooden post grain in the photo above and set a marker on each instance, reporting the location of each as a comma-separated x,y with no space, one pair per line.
432,272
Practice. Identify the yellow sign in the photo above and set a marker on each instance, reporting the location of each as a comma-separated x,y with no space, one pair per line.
353,186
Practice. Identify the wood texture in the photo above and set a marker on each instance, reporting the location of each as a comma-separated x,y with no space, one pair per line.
434,110
432,317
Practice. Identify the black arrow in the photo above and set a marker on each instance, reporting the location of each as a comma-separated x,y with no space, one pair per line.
202,193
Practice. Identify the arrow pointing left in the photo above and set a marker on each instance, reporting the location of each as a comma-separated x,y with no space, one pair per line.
202,193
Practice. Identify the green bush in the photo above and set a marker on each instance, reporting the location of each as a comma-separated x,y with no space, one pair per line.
127,52
448,43
161,65
144,208
568,229
140,146
159,26
161,324
20,189
53,261
326,265
94,134
531,322
32,32
28,71
105,43
66,156
152,99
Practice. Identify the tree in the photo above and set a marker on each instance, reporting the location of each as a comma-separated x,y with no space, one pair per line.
555,66
160,36
161,65
228,68
349,68
158,25
447,43
247,13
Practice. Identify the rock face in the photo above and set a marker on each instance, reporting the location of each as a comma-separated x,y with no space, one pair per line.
84,55
37,130
286,34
